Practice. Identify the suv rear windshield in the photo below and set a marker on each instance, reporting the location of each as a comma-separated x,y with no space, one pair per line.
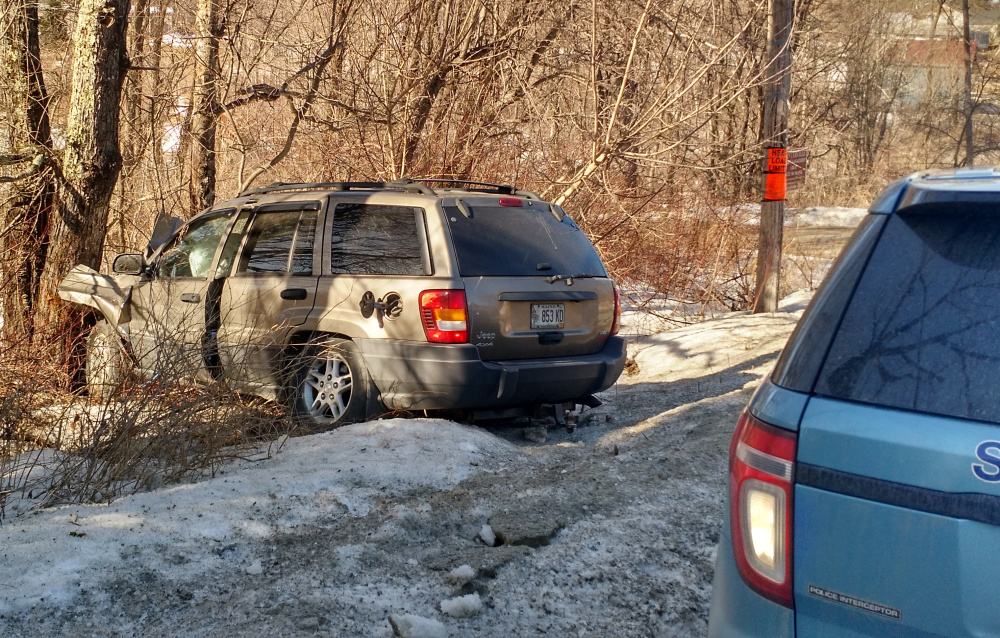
511,241
922,331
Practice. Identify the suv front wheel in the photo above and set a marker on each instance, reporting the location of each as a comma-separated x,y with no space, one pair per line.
106,361
332,385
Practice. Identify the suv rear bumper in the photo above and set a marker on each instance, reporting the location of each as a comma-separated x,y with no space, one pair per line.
421,376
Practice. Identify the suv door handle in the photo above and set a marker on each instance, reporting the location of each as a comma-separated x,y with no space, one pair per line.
294,294
190,297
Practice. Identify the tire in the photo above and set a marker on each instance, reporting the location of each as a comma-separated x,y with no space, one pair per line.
332,385
106,365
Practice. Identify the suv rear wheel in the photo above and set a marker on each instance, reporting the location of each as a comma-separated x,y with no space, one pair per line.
332,386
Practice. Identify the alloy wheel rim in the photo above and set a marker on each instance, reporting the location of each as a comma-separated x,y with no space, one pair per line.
327,388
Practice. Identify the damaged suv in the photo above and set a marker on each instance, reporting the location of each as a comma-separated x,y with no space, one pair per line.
350,299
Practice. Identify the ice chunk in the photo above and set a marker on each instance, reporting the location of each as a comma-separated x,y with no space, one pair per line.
462,606
486,533
462,575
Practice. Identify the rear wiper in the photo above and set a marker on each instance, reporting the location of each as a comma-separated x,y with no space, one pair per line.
568,278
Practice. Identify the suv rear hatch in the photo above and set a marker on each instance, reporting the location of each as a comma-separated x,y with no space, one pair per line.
897,497
534,283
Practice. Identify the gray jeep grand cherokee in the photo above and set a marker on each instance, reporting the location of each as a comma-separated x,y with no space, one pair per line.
348,299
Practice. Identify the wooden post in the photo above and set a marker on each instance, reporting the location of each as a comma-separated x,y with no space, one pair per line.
774,135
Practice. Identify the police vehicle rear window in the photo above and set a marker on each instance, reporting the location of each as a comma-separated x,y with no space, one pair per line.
520,241
922,331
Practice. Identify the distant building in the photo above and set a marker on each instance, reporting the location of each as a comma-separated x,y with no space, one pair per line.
930,70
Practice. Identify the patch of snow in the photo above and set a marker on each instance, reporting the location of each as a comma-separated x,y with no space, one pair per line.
486,533
334,474
825,216
463,574
795,302
462,606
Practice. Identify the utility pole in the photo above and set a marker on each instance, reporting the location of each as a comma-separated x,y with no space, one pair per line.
774,138
969,106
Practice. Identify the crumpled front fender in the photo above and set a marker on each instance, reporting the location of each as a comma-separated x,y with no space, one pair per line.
87,287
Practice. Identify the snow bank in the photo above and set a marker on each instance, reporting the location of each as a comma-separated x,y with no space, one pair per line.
59,552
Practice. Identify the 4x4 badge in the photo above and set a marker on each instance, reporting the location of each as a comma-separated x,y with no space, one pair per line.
989,469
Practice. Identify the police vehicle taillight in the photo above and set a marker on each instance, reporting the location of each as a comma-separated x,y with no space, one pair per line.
761,469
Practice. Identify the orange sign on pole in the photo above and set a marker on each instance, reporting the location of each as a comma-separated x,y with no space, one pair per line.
775,183
775,187
777,160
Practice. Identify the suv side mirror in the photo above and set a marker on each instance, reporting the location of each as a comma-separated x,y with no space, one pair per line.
127,264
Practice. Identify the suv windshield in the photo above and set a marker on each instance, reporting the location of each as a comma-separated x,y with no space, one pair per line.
511,241
922,331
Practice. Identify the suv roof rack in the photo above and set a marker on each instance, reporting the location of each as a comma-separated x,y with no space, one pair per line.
404,184
418,185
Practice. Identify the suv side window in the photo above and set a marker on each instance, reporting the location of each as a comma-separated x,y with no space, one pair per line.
373,239
279,242
194,248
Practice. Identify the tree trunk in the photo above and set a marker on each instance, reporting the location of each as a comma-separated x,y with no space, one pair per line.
154,104
970,153
90,165
133,144
206,104
26,203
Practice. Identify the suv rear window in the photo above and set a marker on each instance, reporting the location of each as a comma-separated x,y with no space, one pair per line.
922,331
510,241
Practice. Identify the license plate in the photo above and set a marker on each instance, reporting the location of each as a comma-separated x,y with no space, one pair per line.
546,316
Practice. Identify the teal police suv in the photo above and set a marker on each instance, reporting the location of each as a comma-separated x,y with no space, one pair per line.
864,475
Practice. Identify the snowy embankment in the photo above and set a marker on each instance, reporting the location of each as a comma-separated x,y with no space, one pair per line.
809,217
825,216
422,527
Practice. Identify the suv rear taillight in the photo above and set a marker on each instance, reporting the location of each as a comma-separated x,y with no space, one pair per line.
617,323
445,316
761,468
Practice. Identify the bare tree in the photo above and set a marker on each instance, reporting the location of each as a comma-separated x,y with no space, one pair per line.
90,164
26,137
208,77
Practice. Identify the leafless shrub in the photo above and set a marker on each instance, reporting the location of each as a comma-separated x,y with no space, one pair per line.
62,446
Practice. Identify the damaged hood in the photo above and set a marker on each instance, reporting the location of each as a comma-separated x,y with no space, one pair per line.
85,286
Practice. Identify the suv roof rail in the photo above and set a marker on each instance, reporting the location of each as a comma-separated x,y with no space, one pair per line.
404,184
419,185
480,187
